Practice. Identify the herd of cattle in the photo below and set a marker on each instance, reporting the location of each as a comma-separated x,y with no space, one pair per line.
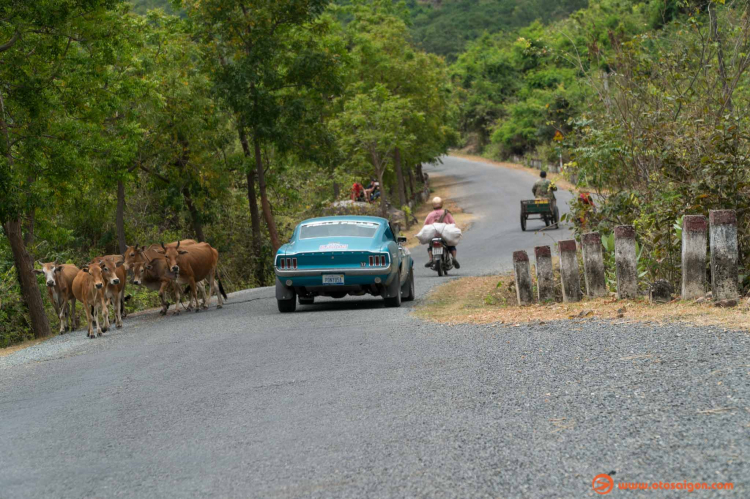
102,281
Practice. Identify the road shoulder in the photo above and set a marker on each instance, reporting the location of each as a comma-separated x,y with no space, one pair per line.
492,299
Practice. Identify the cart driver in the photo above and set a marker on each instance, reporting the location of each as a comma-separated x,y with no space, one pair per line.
544,188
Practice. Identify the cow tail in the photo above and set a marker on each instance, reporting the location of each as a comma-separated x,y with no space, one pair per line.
221,288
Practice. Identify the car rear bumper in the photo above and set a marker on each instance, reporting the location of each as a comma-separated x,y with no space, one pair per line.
347,271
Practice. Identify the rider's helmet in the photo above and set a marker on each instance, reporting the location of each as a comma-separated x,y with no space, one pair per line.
437,202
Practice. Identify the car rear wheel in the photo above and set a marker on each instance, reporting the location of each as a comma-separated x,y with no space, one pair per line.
395,300
408,290
286,306
306,301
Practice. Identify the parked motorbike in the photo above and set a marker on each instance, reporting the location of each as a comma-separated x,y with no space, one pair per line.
442,260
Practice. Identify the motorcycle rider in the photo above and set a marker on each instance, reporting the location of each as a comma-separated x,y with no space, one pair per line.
439,215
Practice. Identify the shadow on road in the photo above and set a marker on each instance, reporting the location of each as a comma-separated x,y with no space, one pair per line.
328,306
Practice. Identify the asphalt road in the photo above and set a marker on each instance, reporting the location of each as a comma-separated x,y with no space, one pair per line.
347,399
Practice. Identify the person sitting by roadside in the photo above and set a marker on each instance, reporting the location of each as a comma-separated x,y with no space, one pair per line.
439,215
372,193
358,192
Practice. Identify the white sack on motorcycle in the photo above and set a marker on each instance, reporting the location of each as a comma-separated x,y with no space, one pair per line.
449,232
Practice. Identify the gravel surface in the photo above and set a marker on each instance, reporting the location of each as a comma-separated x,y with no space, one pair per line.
348,399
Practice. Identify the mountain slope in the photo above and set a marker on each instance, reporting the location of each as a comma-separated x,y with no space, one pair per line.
444,27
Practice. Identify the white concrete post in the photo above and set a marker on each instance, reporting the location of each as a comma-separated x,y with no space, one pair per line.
593,265
569,275
545,278
626,262
522,272
694,242
724,254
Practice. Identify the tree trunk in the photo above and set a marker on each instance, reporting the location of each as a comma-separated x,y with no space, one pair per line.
28,238
412,185
265,205
254,214
195,216
399,177
420,174
380,171
383,200
120,217
727,100
29,289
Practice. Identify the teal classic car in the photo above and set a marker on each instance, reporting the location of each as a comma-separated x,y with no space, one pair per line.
339,256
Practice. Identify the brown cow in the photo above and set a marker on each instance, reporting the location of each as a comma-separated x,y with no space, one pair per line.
116,278
150,270
139,254
60,290
88,288
193,264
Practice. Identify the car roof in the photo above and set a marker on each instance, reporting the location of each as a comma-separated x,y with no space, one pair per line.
353,218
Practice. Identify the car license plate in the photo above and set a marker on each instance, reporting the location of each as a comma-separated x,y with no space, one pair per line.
541,201
437,251
333,279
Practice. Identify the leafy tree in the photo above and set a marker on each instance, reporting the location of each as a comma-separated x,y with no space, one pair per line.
51,58
666,134
264,63
382,56
371,127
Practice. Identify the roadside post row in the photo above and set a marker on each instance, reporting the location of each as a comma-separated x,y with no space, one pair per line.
720,231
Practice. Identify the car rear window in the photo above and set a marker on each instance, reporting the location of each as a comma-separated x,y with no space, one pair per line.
338,228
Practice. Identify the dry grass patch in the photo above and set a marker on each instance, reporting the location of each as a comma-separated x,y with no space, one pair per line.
559,180
485,300
440,186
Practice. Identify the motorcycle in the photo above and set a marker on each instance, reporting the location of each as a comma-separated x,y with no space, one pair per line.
442,260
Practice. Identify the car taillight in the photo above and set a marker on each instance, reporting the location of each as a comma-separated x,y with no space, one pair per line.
372,261
289,263
294,263
281,263
382,260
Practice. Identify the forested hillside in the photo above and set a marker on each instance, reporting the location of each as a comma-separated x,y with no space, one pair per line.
444,27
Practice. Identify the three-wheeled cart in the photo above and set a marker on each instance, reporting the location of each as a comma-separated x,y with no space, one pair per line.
540,209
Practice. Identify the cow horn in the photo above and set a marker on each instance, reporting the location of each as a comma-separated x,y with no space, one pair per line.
163,247
178,244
